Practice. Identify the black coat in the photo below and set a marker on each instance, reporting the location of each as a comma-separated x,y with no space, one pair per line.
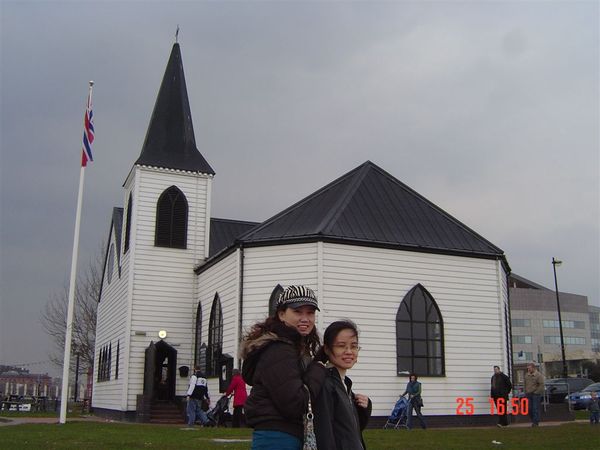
338,420
500,385
273,367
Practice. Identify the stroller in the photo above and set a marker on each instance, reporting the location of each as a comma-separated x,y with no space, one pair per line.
398,416
220,413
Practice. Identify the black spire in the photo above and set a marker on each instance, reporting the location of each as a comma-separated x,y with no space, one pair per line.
170,141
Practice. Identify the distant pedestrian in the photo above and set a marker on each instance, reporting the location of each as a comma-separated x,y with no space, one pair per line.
534,390
238,388
594,408
500,388
415,401
197,393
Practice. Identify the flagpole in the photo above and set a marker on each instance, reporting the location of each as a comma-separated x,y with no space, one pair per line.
71,305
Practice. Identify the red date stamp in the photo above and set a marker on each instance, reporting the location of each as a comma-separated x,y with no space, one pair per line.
516,406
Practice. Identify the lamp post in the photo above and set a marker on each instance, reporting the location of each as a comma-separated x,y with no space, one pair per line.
555,263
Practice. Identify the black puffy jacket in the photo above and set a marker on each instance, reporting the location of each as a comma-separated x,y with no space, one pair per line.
274,368
339,421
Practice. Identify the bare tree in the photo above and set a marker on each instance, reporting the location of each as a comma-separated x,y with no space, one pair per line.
54,316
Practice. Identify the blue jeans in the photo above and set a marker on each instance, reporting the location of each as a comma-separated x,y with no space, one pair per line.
195,411
535,401
595,417
274,440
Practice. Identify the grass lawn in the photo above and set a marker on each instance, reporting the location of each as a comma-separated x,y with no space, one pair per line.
96,435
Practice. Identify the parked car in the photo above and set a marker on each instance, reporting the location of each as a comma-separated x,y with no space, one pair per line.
581,399
558,388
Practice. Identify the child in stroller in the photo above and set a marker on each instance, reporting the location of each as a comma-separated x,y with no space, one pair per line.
220,413
397,418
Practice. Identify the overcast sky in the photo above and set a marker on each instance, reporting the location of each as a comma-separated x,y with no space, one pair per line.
488,109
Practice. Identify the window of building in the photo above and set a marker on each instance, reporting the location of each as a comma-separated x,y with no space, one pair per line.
128,223
104,360
569,340
579,324
198,340
215,338
273,300
117,360
521,322
111,263
419,335
524,356
522,339
171,219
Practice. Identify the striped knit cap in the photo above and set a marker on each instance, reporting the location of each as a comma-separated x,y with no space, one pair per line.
296,296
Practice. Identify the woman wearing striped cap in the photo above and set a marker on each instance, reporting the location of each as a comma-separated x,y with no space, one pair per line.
277,356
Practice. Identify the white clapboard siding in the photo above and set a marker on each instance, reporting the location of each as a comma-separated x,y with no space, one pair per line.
110,329
164,282
162,288
367,285
221,279
266,267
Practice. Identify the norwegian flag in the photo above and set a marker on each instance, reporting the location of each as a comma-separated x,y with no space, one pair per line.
88,132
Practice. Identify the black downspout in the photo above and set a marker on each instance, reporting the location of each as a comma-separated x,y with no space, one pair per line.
241,303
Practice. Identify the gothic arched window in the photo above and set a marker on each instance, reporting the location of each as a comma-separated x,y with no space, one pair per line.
215,338
419,335
171,219
128,224
198,341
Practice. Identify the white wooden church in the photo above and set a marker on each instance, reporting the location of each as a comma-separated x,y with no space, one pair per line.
180,286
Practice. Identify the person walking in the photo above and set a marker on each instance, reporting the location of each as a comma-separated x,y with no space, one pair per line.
340,414
594,408
415,401
196,393
238,388
499,390
278,364
534,390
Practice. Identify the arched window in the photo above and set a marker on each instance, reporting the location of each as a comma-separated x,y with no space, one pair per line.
111,263
419,335
128,224
215,338
198,342
273,299
171,219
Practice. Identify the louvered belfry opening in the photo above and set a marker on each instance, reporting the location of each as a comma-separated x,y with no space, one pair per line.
171,219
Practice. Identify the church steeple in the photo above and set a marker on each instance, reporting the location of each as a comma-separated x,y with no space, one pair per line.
170,141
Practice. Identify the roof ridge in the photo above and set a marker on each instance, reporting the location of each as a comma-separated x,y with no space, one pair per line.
299,203
335,212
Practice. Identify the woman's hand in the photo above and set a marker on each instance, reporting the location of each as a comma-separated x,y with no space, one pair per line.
361,400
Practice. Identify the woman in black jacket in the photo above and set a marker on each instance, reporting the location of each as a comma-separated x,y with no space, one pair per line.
340,414
278,363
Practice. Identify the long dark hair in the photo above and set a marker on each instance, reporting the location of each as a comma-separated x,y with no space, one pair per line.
331,333
309,344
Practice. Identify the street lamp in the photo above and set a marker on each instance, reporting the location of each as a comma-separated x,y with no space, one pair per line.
555,263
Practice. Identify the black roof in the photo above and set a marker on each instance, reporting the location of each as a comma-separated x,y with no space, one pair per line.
223,233
170,141
367,205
